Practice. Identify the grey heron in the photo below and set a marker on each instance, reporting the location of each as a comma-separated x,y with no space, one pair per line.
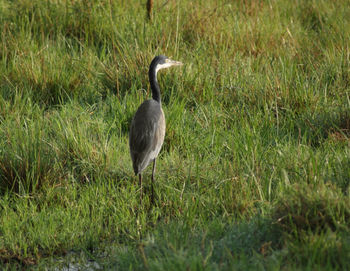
147,128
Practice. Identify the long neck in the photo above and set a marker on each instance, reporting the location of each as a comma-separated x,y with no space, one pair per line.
154,84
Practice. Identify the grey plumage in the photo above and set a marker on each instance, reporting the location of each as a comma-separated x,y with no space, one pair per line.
147,128
146,134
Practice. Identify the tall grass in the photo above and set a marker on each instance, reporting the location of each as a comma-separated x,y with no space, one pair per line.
254,172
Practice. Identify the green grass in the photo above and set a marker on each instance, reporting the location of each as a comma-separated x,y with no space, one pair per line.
254,173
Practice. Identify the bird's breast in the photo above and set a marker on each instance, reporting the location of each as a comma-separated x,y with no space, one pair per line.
159,135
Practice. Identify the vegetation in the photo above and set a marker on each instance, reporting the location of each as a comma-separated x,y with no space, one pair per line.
255,170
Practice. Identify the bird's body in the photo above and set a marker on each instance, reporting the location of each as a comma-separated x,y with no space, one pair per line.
146,145
147,128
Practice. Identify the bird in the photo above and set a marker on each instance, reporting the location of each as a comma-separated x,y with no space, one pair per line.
147,129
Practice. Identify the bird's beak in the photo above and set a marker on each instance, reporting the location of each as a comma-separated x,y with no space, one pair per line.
174,63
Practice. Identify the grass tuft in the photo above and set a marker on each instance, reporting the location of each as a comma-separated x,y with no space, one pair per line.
304,208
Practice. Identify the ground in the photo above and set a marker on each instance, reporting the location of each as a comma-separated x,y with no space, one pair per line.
255,168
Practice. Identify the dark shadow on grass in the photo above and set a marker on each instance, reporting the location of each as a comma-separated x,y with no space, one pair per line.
314,220
334,125
177,244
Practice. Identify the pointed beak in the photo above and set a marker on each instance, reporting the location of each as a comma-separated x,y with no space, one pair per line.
174,63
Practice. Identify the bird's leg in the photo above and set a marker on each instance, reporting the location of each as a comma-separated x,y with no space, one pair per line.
140,181
153,172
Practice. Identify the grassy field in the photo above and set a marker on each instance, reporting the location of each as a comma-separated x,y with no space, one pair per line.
255,169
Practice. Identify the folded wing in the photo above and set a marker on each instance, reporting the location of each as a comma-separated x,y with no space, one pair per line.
146,134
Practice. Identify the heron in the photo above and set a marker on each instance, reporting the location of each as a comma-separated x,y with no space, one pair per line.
147,128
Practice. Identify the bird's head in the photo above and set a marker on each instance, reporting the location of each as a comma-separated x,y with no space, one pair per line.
162,62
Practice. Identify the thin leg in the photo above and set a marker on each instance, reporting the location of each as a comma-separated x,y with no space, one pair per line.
153,172
140,181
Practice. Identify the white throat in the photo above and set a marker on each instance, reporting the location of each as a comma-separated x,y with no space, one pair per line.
163,66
